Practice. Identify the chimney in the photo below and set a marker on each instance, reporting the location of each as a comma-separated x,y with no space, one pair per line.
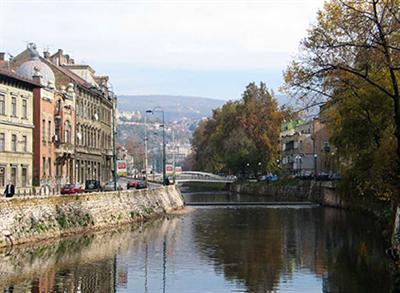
46,55
2,56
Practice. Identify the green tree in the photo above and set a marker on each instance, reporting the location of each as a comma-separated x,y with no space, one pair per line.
241,136
351,57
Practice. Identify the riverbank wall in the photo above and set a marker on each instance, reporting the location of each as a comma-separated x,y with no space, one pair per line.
320,192
325,193
26,219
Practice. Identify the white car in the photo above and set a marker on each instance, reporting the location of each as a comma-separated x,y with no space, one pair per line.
109,186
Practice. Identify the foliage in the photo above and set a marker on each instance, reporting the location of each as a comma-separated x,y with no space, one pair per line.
351,59
240,135
363,134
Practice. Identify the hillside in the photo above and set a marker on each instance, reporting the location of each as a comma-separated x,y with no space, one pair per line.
175,107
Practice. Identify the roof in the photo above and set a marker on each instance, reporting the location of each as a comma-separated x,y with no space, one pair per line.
36,67
74,77
11,75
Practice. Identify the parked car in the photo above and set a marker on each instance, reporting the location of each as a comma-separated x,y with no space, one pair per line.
109,186
72,189
335,177
270,178
141,184
92,186
322,176
132,184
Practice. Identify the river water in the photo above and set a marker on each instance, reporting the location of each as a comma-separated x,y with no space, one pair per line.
212,249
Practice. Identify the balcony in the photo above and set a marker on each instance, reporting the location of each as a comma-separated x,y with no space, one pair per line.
65,148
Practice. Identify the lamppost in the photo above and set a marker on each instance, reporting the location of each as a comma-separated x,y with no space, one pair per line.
298,165
114,132
332,165
259,167
315,165
146,160
159,109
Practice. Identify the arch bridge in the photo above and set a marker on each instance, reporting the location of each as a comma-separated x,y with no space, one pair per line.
196,176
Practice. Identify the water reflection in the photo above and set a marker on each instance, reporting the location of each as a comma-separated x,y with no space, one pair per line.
266,250
211,250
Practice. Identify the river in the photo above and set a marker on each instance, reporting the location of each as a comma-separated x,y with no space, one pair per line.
211,249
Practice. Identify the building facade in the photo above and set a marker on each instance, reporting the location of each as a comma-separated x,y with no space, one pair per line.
94,106
16,129
305,148
73,118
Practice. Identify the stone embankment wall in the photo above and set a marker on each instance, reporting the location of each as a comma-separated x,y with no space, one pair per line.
37,218
323,193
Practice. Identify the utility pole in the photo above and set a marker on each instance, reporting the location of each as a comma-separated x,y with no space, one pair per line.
173,154
145,147
159,109
114,135
164,158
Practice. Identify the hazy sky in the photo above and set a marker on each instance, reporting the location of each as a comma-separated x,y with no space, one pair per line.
210,48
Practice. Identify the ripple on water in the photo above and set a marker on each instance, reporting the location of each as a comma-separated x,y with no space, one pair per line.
238,249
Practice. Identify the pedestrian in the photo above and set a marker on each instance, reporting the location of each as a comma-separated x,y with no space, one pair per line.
10,190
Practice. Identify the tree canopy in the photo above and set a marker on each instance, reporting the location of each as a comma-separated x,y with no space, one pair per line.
351,59
242,136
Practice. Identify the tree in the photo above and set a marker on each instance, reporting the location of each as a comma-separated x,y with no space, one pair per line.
136,149
354,44
240,136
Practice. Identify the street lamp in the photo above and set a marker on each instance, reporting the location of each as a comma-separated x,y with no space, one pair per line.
315,165
159,109
146,160
114,132
298,166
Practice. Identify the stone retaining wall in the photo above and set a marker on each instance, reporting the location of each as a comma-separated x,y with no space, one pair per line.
320,192
36,218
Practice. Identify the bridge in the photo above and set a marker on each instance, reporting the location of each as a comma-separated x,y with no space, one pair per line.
195,176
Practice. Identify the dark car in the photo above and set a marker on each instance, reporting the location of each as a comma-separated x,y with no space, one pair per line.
132,184
322,176
72,189
141,184
92,186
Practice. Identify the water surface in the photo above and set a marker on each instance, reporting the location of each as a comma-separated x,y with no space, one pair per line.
240,249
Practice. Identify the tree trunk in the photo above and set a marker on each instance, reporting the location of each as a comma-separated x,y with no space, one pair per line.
396,190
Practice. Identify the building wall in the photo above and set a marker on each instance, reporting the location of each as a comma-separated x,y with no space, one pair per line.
94,142
65,135
93,149
19,159
43,145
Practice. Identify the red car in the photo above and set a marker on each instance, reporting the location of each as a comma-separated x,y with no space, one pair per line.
72,189
132,184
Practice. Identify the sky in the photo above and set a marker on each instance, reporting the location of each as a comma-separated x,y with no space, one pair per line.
207,48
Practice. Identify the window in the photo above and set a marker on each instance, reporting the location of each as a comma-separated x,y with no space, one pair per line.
24,175
43,131
44,166
2,176
67,132
2,142
14,106
14,175
13,143
2,104
49,167
25,143
24,109
49,131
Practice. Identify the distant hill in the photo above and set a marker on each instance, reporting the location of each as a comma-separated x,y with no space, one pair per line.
175,107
